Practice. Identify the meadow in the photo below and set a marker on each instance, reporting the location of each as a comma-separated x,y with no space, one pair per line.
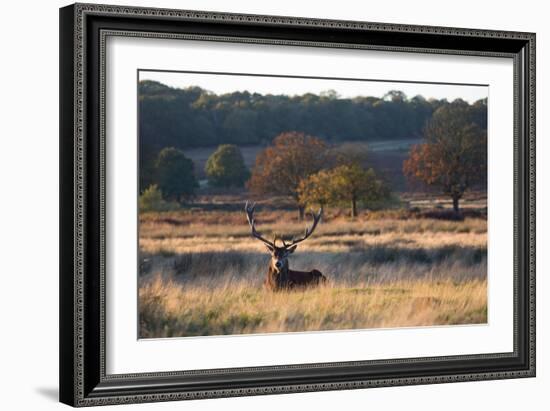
201,272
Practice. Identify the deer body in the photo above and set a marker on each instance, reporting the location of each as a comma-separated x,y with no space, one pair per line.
288,279
279,275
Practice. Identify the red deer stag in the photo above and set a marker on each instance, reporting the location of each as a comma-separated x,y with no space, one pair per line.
279,275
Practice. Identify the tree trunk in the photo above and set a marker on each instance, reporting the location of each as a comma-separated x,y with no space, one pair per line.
301,210
353,208
456,209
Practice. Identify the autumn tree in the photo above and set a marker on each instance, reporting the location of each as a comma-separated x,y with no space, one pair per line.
345,184
453,157
175,175
226,168
316,189
292,157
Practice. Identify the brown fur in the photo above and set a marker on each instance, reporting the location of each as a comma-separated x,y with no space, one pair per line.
287,279
280,276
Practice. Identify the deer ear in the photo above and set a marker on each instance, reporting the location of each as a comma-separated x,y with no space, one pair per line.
269,248
291,249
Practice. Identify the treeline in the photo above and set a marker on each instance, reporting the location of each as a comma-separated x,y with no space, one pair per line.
194,117
452,158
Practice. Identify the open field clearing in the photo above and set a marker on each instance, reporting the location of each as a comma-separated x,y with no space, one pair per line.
202,273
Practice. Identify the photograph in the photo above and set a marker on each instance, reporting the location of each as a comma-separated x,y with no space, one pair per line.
282,204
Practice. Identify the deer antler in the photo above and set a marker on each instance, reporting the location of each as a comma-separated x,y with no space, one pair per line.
250,217
309,231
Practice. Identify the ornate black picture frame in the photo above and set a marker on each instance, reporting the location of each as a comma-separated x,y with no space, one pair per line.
83,379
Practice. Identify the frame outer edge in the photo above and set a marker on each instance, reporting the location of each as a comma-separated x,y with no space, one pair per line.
72,110
278,20
67,331
532,202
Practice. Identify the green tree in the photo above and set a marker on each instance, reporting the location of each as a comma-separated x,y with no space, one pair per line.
453,157
345,184
280,167
175,174
226,168
351,183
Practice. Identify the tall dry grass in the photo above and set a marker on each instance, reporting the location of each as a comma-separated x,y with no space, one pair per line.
201,273
169,308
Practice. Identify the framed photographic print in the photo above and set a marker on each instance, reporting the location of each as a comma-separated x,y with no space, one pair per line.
261,204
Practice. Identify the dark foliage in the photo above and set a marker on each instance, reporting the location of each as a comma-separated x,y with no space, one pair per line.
174,175
194,117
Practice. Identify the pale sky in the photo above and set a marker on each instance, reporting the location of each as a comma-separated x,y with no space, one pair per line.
224,83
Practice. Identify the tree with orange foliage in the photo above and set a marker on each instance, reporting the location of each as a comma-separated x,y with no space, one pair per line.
454,154
292,157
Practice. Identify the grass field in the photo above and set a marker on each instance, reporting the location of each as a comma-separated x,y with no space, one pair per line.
201,272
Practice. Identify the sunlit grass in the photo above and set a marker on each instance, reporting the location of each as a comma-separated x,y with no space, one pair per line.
201,273
172,309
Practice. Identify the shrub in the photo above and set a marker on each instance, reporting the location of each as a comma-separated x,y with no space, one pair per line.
151,200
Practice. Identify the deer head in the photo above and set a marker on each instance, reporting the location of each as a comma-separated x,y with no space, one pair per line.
279,254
